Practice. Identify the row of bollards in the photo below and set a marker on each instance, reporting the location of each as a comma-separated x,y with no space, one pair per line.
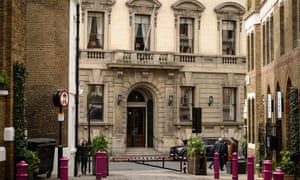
22,169
278,174
101,167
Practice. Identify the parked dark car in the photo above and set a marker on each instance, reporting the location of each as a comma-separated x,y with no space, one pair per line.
180,152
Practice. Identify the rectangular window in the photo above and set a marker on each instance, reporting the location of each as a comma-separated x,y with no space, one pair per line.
228,37
186,35
186,103
142,32
95,29
295,22
95,102
229,104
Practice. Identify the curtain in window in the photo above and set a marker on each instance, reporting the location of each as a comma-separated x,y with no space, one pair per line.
99,20
141,28
95,29
229,101
186,34
228,37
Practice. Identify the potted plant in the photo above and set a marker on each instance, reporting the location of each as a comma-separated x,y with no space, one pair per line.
196,156
287,164
99,143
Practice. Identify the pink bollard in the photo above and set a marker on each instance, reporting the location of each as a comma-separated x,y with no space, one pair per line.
278,174
216,165
64,168
268,170
101,164
234,166
250,167
22,170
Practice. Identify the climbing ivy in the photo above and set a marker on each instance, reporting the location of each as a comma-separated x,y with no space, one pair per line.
20,123
294,121
19,108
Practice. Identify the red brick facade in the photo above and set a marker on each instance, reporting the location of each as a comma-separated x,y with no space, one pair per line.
34,32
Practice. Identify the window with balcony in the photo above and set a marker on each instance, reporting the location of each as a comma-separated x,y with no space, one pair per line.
142,22
187,15
186,103
229,104
142,32
186,33
228,37
95,102
229,19
95,29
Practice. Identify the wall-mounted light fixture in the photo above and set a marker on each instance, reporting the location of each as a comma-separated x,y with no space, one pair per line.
170,100
119,99
210,100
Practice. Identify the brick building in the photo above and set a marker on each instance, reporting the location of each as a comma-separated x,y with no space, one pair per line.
12,29
40,34
146,64
273,41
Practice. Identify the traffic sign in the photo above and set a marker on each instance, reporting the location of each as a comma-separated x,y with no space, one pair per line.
64,98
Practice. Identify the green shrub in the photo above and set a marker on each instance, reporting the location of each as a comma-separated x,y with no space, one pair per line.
195,145
100,143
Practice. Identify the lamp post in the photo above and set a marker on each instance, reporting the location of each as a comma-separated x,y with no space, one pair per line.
89,123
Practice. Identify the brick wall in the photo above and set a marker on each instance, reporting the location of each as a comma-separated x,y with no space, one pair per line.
12,49
47,65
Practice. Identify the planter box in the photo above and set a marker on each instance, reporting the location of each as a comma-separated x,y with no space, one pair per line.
197,165
289,177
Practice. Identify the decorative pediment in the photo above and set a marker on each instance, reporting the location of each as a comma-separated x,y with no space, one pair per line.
188,6
230,8
143,3
97,5
102,4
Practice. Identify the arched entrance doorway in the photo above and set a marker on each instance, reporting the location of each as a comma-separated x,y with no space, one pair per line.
139,119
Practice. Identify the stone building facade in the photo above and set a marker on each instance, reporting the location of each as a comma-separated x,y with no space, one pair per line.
147,65
273,40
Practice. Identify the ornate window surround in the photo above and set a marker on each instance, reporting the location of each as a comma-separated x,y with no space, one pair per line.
230,11
144,7
104,6
189,9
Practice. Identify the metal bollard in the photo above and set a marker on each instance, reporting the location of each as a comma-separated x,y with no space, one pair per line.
216,165
64,168
22,170
101,164
234,160
184,166
268,170
250,175
278,174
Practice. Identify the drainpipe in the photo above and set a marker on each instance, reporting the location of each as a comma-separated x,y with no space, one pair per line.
77,86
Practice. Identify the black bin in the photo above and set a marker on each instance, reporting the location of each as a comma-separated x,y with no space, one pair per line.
45,148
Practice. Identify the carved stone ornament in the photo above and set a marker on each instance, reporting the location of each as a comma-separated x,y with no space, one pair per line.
230,10
188,8
97,5
142,6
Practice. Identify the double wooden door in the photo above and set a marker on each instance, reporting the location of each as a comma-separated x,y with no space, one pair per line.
136,127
